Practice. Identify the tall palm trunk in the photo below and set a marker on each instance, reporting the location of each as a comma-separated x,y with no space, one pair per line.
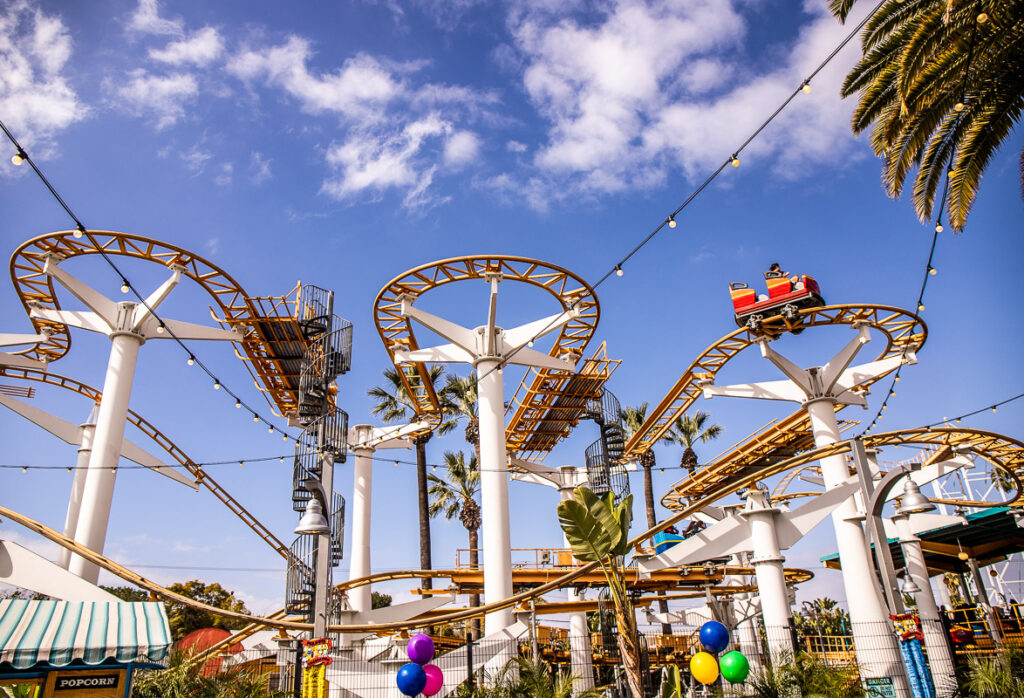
647,462
421,493
625,619
474,563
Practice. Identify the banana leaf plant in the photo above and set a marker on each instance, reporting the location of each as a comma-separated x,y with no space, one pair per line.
598,531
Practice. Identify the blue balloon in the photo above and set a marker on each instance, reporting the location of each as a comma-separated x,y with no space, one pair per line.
411,679
714,636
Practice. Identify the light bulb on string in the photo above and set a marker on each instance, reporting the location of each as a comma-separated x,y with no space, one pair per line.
24,469
958,107
79,231
241,463
69,470
618,270
938,227
993,408
897,379
270,429
932,271
284,436
191,360
806,87
216,384
125,286
19,157
238,404
734,161
671,221
255,417
982,17
160,328
920,307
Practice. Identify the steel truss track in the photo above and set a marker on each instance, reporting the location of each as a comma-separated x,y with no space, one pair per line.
904,332
172,449
396,331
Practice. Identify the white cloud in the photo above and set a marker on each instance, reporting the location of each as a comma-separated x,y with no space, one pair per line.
163,97
361,85
259,166
515,147
35,98
225,176
195,159
651,87
461,148
372,162
200,49
147,20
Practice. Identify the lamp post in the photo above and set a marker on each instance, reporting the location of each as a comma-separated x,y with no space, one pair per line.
315,522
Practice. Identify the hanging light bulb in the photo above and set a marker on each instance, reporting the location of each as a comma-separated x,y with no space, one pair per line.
671,221
255,417
920,307
530,343
993,408
281,459
734,161
806,87
79,231
24,469
897,379
958,107
270,429
125,286
982,18
216,384
160,328
618,270
932,271
238,404
241,463
938,227
69,470
284,436
191,360
19,157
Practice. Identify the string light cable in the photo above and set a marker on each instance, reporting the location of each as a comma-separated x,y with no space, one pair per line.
21,155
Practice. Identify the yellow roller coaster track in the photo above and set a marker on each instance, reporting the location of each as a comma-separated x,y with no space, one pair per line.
1003,452
904,332
538,404
172,449
273,341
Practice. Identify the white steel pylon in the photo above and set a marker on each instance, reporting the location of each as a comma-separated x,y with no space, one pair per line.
13,340
565,479
363,441
818,390
488,348
128,325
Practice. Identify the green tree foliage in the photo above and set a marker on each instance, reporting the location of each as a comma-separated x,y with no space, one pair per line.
184,679
184,619
822,617
1001,676
687,431
598,531
379,600
941,86
131,594
806,675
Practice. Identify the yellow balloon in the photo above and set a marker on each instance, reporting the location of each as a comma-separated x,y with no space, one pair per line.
704,667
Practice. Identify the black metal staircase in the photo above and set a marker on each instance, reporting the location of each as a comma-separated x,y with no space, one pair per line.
605,472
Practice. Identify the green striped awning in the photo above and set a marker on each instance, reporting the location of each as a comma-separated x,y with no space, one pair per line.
58,632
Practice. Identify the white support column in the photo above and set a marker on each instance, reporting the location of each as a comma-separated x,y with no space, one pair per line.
488,348
819,389
362,475
771,580
940,661
77,489
497,540
580,648
128,325
99,483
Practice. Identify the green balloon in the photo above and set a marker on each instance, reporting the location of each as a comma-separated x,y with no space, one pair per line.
735,667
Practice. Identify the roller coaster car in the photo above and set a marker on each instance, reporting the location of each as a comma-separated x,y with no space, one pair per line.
787,296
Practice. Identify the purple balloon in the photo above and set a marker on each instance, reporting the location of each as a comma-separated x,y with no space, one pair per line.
420,649
435,679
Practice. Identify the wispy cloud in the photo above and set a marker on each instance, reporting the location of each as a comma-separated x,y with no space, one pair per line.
147,20
200,49
225,175
162,97
259,168
35,98
195,159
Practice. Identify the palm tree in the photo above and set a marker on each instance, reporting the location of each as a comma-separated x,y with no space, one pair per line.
686,431
633,418
456,496
461,394
394,404
941,83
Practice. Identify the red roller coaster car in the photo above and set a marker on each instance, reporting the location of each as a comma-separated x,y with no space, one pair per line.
787,295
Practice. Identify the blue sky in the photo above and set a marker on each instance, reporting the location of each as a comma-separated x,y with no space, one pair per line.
342,146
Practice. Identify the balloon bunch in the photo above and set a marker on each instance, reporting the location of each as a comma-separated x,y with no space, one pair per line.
417,676
714,637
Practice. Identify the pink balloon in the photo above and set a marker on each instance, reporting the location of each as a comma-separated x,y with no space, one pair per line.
435,679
